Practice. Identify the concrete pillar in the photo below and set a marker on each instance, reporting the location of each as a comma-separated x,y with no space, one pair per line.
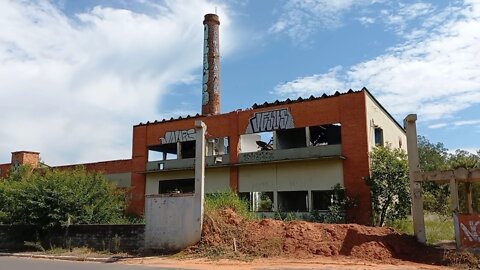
455,207
468,197
200,130
415,187
211,91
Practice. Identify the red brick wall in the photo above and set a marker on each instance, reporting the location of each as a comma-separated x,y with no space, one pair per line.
347,109
106,167
4,169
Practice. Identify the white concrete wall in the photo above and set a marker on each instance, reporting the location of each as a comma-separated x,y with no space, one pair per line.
178,225
248,143
216,179
392,133
291,176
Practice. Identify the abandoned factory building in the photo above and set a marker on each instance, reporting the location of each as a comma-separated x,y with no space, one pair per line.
279,156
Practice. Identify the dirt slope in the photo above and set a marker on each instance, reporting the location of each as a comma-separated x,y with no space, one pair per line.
226,234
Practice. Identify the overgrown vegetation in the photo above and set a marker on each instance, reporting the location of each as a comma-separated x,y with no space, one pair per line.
59,198
223,200
389,184
438,228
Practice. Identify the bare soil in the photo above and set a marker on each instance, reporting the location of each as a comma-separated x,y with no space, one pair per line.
228,235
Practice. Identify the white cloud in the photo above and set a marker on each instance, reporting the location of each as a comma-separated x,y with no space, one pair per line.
300,18
456,124
435,76
72,88
315,84
366,20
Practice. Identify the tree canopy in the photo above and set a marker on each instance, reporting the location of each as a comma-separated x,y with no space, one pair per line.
59,197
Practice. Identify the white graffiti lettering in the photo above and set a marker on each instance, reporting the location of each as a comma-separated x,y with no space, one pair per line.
178,136
270,120
471,232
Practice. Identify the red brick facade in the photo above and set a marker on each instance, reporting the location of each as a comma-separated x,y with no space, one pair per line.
347,109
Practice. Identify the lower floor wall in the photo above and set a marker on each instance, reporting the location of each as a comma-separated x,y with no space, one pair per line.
99,237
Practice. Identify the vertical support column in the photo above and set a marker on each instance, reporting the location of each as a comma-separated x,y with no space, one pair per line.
468,197
307,137
455,207
200,129
415,187
310,201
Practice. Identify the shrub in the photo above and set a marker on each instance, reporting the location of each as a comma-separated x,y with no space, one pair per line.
59,197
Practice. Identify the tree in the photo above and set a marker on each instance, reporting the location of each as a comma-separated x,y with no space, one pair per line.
59,197
434,157
389,184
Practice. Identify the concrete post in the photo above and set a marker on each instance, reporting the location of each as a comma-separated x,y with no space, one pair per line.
468,197
200,129
455,207
415,188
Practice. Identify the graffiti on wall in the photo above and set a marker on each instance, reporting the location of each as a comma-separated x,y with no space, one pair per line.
270,120
178,136
258,156
471,231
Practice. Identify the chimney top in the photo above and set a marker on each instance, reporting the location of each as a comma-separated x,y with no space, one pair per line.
211,18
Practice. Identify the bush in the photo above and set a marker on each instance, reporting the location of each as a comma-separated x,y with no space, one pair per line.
389,184
59,197
222,200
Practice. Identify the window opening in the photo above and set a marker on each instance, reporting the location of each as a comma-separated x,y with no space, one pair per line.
291,138
166,151
293,201
326,134
322,199
378,136
258,201
177,186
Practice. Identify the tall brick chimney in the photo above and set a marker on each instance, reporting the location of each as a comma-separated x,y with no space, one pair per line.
211,92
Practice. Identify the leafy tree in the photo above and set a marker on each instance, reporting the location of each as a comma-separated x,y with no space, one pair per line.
59,197
389,184
464,159
434,157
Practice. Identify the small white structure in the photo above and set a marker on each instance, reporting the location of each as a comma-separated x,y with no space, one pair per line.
174,221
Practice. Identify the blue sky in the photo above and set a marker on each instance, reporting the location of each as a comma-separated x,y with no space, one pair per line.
75,76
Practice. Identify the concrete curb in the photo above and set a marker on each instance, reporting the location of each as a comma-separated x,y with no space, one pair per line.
65,258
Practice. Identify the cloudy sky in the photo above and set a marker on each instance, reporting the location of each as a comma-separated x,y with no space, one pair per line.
75,76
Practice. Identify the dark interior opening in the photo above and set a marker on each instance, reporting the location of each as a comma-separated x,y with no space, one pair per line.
291,138
321,199
177,186
326,134
293,201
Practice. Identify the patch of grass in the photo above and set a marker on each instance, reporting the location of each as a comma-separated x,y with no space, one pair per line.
437,227
217,201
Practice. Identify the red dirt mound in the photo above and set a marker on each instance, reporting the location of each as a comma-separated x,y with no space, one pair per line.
227,233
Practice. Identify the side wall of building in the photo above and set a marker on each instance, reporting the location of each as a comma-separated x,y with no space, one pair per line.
377,117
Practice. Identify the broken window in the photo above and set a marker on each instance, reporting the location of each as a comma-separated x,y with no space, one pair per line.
293,201
326,134
162,152
257,142
258,201
187,149
378,136
217,146
177,186
321,199
291,138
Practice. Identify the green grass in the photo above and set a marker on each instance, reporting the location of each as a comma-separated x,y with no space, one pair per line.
437,228
217,201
